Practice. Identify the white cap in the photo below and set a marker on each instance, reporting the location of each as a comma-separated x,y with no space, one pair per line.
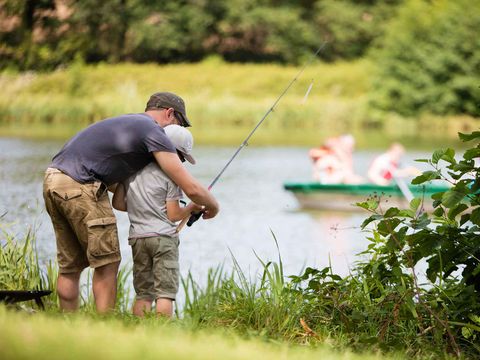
182,139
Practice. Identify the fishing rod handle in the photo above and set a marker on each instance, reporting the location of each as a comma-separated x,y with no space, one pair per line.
182,224
194,217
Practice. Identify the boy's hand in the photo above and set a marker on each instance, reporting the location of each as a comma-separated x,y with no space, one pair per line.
195,207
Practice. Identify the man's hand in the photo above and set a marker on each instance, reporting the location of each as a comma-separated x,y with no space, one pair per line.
209,213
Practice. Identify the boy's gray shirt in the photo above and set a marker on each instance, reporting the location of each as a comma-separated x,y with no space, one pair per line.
146,194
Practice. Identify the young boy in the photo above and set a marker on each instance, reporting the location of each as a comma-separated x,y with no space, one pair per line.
151,199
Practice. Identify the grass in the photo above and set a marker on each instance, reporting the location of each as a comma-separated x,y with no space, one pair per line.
231,315
202,332
53,336
223,100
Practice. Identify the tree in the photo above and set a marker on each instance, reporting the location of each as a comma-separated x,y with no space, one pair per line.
429,60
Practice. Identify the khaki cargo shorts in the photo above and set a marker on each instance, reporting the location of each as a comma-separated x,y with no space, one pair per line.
83,220
155,267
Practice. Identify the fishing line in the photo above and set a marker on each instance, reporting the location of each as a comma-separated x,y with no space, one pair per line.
195,216
307,93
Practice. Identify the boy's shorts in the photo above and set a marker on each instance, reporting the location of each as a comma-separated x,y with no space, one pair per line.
83,220
155,267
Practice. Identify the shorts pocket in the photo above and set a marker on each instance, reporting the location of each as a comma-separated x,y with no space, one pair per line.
169,279
68,194
102,236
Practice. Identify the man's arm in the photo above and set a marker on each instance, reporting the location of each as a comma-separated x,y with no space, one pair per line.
173,167
118,201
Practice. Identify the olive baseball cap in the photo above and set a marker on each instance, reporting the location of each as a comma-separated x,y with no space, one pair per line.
162,100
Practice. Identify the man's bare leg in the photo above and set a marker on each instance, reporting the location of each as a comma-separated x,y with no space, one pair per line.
164,307
105,286
140,307
68,290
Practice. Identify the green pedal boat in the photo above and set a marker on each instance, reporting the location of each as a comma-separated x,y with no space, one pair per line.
343,197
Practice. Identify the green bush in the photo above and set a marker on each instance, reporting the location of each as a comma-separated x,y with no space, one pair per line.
385,302
429,60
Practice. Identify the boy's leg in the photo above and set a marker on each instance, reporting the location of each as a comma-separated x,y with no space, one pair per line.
140,307
68,290
164,307
105,286
142,277
165,272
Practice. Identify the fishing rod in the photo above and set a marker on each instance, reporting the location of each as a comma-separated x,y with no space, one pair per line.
195,216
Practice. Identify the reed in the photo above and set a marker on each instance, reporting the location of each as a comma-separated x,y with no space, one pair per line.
20,268
261,306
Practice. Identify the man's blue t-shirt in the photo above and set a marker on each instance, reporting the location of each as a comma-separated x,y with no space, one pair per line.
113,149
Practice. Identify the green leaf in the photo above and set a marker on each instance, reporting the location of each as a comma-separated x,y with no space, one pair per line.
406,213
464,218
370,219
437,155
471,154
450,152
475,216
437,196
422,222
393,211
370,205
454,211
387,226
426,176
397,271
451,198
469,137
415,203
423,160
439,212
450,159
467,333
463,166
474,318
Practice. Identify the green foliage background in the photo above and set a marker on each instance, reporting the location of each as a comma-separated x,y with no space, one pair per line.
43,34
425,55
429,59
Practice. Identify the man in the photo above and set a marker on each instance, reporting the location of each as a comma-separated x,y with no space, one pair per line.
76,199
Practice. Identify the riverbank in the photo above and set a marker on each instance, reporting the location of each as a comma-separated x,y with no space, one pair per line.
224,101
230,315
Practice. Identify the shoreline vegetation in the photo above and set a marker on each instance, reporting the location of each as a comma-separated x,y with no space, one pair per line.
383,308
240,316
225,101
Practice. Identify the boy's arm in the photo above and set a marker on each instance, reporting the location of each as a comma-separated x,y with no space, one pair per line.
172,166
118,201
176,213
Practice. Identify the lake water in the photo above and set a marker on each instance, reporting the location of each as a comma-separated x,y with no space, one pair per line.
253,206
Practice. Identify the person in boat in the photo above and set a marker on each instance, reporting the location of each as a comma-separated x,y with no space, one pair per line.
151,200
333,161
386,167
75,192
